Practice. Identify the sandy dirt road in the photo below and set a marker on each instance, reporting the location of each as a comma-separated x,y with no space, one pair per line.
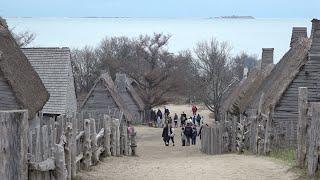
156,161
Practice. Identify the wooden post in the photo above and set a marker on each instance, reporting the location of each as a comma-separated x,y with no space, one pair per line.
87,145
67,149
266,146
107,132
234,134
117,126
302,126
13,144
94,145
313,155
133,143
113,138
60,170
74,147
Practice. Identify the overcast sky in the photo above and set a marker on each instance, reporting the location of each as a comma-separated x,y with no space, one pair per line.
161,8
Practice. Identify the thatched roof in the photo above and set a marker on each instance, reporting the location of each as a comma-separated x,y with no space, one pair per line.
22,78
124,83
54,68
109,85
239,98
281,76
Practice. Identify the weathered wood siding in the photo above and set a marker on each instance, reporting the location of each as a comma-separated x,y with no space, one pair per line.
100,100
7,99
286,111
131,105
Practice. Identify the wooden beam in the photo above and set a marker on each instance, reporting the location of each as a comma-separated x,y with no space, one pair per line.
302,126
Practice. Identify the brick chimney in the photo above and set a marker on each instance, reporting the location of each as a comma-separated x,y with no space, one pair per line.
267,57
245,73
315,38
121,81
297,33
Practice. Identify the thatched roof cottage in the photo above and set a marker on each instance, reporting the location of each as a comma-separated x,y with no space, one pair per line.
238,98
130,97
20,85
297,68
54,68
104,98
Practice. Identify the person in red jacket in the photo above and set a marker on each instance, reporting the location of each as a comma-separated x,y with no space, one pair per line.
194,109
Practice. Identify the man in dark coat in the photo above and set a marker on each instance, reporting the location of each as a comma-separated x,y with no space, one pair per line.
188,133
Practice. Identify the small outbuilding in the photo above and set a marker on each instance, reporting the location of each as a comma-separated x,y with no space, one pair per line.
20,85
130,97
105,98
54,68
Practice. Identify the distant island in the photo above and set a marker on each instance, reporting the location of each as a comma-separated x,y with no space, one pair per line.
234,17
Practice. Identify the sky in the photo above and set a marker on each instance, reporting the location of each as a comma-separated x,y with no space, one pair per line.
160,8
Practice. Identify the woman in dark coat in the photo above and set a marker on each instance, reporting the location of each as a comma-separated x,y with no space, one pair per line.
165,135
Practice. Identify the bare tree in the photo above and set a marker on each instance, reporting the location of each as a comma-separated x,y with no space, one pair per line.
85,66
213,61
23,39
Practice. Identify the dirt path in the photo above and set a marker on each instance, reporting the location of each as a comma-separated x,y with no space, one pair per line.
155,161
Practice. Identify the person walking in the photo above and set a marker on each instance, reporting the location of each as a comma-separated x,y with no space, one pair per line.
165,135
171,134
188,133
194,135
194,109
198,119
175,119
183,137
183,119
159,118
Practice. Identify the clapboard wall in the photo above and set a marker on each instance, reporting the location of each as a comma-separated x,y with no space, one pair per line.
100,100
286,111
7,98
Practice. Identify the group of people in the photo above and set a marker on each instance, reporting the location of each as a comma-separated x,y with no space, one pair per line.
189,131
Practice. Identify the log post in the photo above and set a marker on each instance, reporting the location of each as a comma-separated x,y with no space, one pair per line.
67,149
94,145
13,133
266,146
302,126
87,145
60,170
133,143
74,147
117,126
106,140
234,134
313,155
113,138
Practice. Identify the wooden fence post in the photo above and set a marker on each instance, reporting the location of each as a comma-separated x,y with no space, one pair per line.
74,122
87,144
113,137
94,145
253,131
117,126
133,143
13,144
234,134
266,146
68,149
313,155
302,126
106,143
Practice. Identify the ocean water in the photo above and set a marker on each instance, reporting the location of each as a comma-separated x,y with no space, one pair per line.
244,35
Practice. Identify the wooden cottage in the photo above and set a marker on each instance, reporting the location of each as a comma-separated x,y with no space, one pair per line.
236,101
130,97
54,68
299,67
20,85
104,98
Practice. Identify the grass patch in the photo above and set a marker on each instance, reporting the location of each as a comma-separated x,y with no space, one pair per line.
287,156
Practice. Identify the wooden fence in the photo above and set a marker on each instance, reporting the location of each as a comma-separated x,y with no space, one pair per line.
57,148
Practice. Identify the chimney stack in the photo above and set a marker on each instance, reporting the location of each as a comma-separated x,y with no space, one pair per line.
267,57
297,33
121,81
245,73
315,38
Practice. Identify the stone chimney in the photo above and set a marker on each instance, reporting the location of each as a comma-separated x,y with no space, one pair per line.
315,38
121,81
297,33
245,73
267,57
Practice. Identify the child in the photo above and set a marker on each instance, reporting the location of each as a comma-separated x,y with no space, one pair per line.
171,134
194,135
183,137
